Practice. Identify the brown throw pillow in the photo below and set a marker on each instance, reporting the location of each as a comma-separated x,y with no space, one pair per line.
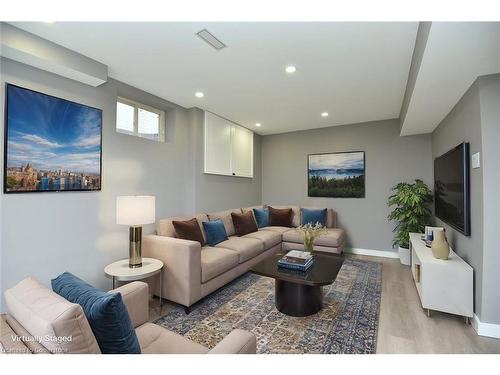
244,223
280,217
189,230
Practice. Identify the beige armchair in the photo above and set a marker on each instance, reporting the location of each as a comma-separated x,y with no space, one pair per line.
36,311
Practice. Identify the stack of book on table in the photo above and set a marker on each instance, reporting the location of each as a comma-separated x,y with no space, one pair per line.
296,260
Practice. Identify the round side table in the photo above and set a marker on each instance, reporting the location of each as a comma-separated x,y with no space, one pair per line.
120,271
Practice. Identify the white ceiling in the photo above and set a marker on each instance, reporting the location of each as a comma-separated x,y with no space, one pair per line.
456,53
354,71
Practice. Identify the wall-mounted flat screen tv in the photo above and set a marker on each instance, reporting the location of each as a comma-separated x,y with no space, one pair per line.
451,187
51,144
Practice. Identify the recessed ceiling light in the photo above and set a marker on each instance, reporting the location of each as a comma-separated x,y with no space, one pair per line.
258,124
324,114
290,69
199,94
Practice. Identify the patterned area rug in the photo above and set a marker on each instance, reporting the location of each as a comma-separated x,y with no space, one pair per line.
347,323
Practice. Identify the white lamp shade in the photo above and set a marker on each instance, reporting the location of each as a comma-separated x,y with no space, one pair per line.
135,210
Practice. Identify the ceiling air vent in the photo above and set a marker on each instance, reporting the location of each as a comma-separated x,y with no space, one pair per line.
211,39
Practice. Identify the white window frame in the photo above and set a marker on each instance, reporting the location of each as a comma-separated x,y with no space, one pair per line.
137,106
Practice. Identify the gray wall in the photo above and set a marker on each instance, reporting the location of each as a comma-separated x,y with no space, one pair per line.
45,234
490,132
220,192
476,119
462,124
48,233
389,160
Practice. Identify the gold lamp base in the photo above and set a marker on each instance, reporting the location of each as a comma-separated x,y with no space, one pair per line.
134,251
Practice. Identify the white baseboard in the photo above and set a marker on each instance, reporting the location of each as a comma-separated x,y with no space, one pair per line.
373,253
486,329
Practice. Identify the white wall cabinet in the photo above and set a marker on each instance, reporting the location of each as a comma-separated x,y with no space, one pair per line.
228,147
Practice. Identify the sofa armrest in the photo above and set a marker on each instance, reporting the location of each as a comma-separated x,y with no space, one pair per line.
135,295
182,272
237,342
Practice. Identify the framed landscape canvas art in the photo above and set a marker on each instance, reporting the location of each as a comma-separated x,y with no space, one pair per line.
336,175
51,144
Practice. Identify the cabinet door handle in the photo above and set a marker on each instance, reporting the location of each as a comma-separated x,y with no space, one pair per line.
234,174
417,273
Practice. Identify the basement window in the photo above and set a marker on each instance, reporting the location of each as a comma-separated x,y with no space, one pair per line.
140,120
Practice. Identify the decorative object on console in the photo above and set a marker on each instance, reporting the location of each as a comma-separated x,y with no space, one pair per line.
244,223
311,232
313,216
215,231
411,212
261,216
107,314
189,230
51,144
280,217
429,235
440,247
135,211
336,175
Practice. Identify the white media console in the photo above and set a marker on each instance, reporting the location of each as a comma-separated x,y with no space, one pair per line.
442,285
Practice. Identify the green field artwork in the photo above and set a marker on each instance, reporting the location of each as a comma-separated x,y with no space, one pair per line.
337,175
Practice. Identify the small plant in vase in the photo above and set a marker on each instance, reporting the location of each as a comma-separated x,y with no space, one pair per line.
311,232
411,212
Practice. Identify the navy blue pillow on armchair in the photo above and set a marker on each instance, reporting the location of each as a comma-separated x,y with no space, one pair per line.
107,314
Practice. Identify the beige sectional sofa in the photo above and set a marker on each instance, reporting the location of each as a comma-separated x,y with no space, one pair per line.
35,311
193,272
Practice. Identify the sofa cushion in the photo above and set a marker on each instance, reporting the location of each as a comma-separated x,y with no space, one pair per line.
251,208
166,228
226,218
261,216
277,229
215,232
158,340
331,217
44,313
267,237
106,313
246,248
216,260
189,230
333,238
313,216
295,213
244,223
281,217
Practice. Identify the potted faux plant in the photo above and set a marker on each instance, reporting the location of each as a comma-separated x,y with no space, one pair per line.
411,211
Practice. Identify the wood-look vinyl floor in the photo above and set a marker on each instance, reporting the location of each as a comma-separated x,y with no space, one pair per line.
403,325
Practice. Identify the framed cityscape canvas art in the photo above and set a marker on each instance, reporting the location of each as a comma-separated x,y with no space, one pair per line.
51,144
336,175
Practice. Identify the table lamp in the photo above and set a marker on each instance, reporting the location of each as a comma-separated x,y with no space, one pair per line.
135,211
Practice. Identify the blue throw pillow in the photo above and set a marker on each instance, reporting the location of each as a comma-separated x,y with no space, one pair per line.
215,231
107,314
313,216
261,216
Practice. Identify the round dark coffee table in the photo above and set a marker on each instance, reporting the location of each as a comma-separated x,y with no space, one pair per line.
300,293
